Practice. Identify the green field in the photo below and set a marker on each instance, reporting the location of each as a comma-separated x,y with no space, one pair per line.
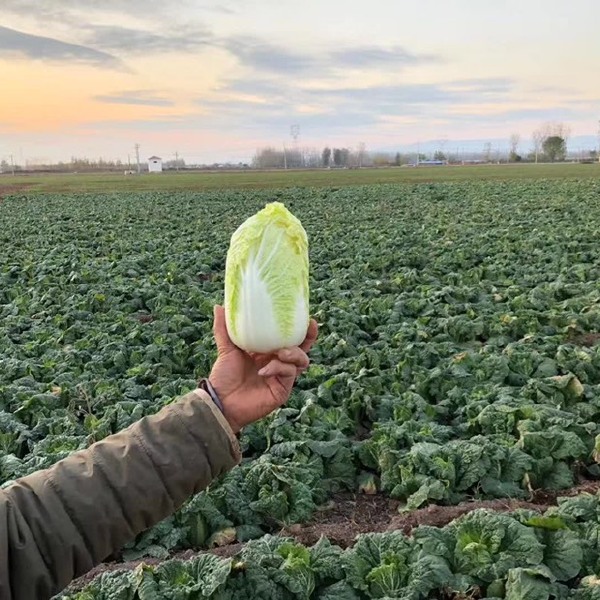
457,362
206,181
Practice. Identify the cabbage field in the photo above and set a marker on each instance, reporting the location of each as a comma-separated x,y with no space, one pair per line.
444,443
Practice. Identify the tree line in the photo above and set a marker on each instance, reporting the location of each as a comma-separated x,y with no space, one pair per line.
308,158
548,144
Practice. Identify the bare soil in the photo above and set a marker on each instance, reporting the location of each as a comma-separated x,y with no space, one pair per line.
9,189
591,339
348,515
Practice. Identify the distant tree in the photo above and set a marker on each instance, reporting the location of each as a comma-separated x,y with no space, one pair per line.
381,159
268,158
555,148
513,155
537,137
557,129
398,159
546,131
313,159
422,156
326,156
487,152
337,157
294,158
4,167
341,157
439,155
345,154
361,154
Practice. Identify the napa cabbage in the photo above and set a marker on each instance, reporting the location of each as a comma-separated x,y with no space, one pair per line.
266,281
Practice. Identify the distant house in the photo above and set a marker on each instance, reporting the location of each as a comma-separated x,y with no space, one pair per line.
155,164
433,163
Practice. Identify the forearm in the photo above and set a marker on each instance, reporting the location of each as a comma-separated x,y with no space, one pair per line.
58,523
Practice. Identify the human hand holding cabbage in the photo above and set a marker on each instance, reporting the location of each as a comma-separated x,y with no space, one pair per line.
251,385
264,332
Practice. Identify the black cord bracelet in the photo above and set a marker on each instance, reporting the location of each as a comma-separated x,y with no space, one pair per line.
206,385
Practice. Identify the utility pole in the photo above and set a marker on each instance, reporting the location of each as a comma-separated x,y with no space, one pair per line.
137,157
12,164
177,160
284,158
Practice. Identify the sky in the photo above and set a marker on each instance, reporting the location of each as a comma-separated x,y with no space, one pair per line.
215,80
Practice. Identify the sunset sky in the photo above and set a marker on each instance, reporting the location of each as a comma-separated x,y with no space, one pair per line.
216,80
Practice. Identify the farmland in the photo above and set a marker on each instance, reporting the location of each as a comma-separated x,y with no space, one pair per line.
457,374
278,179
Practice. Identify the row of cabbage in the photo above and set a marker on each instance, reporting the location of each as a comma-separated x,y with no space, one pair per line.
518,556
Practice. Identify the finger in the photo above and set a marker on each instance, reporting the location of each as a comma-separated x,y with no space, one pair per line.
276,368
294,356
224,343
311,336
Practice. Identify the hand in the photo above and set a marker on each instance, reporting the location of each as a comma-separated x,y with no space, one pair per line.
251,386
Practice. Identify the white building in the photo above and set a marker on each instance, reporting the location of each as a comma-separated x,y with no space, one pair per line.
155,164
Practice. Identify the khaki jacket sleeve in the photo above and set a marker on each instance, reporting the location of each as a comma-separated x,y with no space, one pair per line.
58,523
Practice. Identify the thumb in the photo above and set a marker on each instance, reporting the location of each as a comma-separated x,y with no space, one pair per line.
224,343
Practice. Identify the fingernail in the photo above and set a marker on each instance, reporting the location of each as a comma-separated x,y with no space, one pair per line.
263,371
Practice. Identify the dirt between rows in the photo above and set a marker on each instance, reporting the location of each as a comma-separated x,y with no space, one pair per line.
348,515
9,189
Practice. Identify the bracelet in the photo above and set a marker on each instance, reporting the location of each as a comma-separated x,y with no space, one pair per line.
206,385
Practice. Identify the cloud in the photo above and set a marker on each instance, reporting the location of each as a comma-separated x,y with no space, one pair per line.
264,56
58,10
375,56
401,99
18,43
391,96
116,38
275,58
134,97
160,27
38,11
272,104
256,87
494,85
